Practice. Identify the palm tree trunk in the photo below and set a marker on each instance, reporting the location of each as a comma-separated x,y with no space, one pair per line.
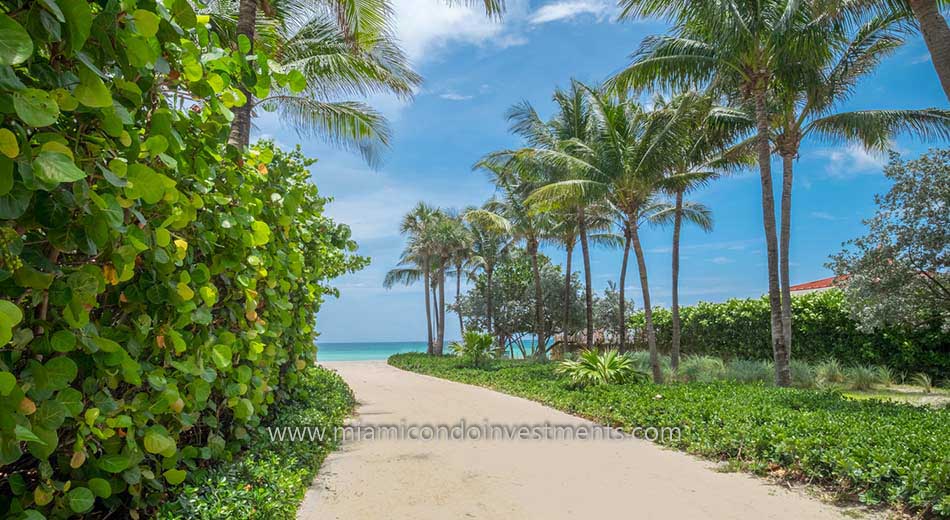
538,301
458,297
785,235
936,34
441,342
588,286
425,275
567,293
779,352
491,307
240,133
623,284
435,309
647,308
677,224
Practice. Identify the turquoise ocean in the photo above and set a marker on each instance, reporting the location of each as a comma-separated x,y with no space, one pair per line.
362,351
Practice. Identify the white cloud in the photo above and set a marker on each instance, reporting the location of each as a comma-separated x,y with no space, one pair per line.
425,26
567,10
453,96
821,215
923,58
851,160
722,260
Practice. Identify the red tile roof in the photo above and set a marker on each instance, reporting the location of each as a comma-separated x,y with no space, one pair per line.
817,284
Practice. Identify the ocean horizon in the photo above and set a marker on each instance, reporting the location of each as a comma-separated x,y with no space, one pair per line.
366,350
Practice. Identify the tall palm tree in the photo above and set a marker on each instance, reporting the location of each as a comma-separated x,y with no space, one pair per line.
737,48
626,161
416,260
806,105
511,214
445,236
571,122
489,246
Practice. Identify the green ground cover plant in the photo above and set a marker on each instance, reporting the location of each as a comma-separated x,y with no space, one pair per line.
270,481
822,328
881,453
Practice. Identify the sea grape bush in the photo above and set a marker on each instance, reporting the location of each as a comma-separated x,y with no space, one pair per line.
822,329
157,288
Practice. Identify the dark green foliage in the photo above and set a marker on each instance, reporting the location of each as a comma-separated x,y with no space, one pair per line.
822,328
880,452
269,481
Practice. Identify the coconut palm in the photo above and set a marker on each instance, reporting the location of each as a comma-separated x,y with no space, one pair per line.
737,48
806,105
416,260
625,162
444,237
571,122
489,246
511,214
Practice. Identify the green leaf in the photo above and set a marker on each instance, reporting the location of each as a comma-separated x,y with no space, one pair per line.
60,372
91,91
105,345
10,315
175,476
100,487
261,233
50,415
156,441
23,433
80,499
145,184
15,43
115,463
63,341
221,355
243,409
297,81
7,383
8,144
78,22
27,276
54,168
146,22
35,107
6,176
244,44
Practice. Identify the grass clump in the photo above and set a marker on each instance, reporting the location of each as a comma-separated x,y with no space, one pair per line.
270,481
877,451
749,371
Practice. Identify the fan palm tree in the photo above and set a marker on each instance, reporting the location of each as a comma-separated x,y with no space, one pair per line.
511,214
806,106
737,48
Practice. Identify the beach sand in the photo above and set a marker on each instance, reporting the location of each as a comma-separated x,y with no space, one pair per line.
518,479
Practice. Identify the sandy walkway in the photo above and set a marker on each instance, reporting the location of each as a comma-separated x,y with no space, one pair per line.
545,480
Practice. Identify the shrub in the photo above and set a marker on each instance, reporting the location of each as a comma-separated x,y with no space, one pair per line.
885,375
880,452
830,373
474,348
270,481
593,368
702,369
750,371
861,377
822,329
924,381
803,375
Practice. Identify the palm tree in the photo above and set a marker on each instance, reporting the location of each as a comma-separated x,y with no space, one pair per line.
444,237
512,215
807,105
416,260
679,211
571,122
625,163
737,48
489,246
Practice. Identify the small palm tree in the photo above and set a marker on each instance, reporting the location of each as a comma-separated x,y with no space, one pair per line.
475,347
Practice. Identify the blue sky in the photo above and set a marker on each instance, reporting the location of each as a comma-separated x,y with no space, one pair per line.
475,69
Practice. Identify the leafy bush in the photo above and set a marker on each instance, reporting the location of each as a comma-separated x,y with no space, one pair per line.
595,368
880,452
861,377
830,373
822,329
270,481
474,348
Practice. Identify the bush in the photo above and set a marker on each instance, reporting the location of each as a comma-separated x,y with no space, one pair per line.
830,373
474,348
702,369
270,481
861,377
750,371
880,452
822,329
594,368
803,375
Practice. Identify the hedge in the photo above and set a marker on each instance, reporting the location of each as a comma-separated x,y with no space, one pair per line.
822,329
878,452
269,482
157,287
